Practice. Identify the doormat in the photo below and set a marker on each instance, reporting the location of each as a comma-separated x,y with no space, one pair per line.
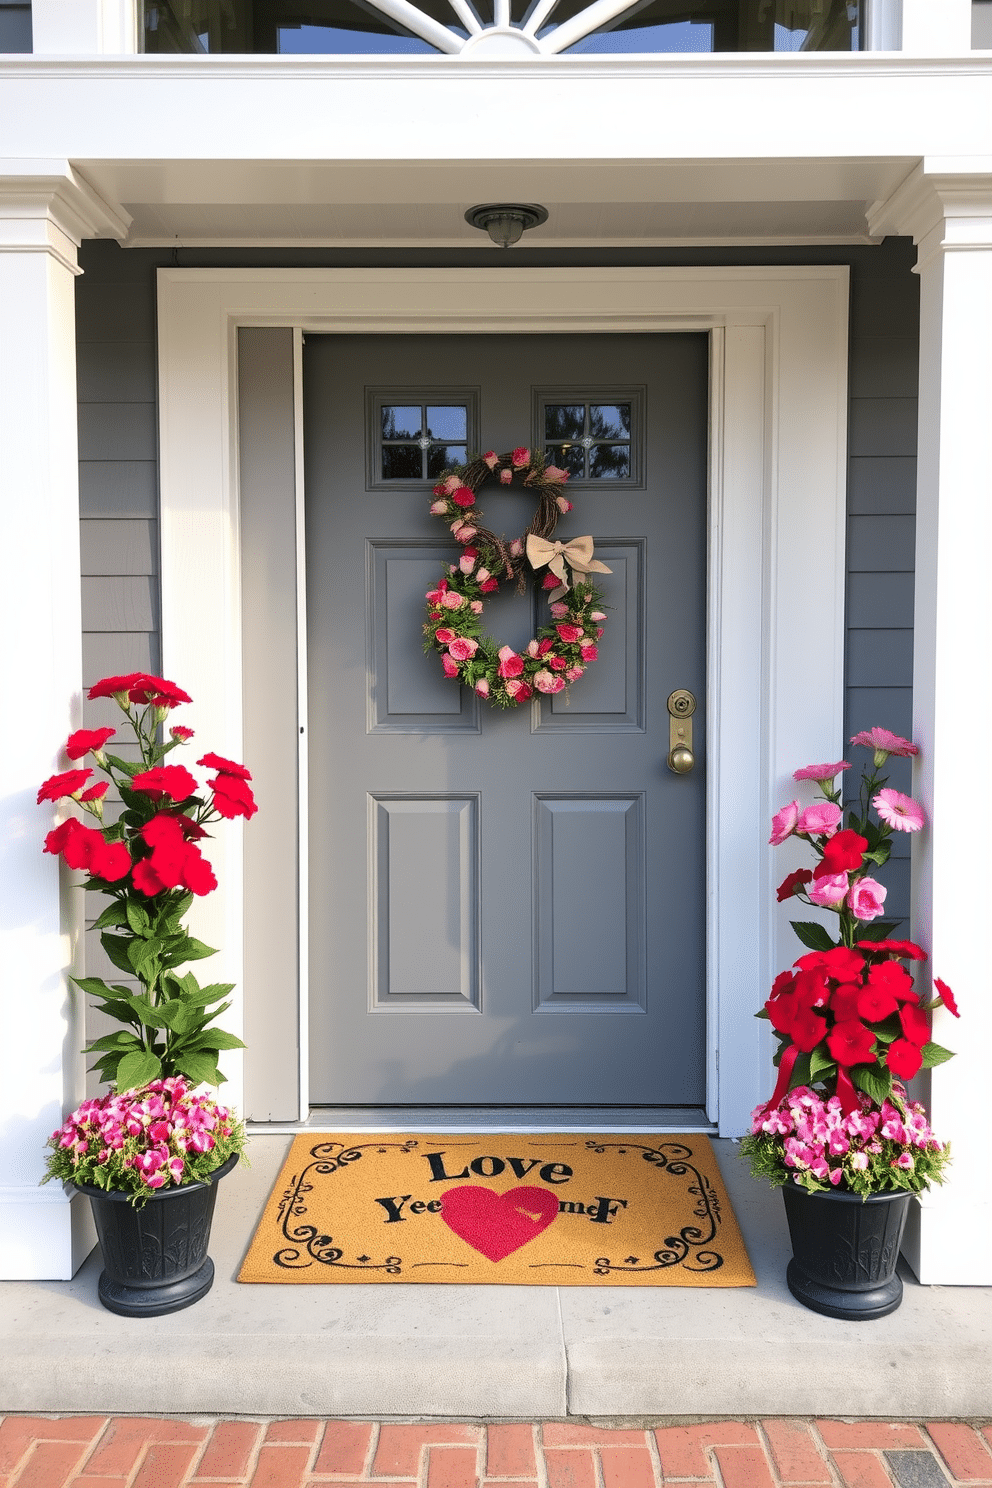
552,1210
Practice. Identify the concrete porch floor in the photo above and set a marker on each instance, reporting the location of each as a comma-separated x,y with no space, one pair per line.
493,1352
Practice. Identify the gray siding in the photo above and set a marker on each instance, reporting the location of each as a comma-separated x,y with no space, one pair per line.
115,301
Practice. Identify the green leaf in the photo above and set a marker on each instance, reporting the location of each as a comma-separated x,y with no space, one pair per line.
142,954
125,767
213,993
934,1054
114,914
116,947
197,1067
813,935
875,1081
137,1069
137,918
93,986
190,950
761,1013
800,1072
215,1038
121,1041
821,1065
178,1016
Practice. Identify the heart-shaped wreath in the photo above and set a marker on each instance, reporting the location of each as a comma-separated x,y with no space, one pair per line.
561,651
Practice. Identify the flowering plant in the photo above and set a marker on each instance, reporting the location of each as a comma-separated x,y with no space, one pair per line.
143,1140
149,863
849,1021
560,652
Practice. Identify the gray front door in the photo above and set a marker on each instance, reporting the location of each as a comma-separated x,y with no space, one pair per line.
505,907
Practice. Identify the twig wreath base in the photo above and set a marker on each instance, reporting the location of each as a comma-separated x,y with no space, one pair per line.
562,650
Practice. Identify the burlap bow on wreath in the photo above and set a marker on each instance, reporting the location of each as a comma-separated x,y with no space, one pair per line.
561,651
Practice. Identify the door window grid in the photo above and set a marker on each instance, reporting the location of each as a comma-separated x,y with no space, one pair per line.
413,438
596,435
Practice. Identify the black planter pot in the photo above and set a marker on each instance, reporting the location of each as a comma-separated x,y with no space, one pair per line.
155,1258
844,1251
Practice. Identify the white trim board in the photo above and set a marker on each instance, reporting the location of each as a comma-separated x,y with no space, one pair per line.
777,509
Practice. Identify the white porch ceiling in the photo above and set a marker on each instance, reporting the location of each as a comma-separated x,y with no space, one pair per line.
596,203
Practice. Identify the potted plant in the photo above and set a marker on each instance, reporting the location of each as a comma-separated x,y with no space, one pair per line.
149,1153
839,1133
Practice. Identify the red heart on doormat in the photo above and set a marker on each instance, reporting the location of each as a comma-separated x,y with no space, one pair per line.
497,1224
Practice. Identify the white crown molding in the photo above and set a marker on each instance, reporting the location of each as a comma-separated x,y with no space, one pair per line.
46,206
942,208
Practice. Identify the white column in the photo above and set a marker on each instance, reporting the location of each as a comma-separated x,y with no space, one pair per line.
84,27
42,220
936,28
950,216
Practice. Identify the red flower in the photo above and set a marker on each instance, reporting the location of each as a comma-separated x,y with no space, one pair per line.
812,987
784,982
165,780
86,741
545,646
146,880
114,862
798,1021
550,582
84,848
225,766
488,585
906,948
892,977
569,633
112,686
520,457
66,784
946,997
173,861
843,963
464,496
842,853
511,665
915,1024
791,885
844,1002
875,1003
232,796
850,1042
141,687
180,732
903,1058
96,792
558,662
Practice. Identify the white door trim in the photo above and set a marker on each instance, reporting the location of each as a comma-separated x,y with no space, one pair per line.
776,549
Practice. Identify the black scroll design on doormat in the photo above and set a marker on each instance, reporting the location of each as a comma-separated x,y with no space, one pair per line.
306,1239
692,1248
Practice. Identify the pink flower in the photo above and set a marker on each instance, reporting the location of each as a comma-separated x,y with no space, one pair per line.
884,743
450,666
444,636
452,600
518,690
559,610
589,652
784,823
597,615
555,473
898,811
475,605
570,633
520,457
821,819
491,458
547,682
467,561
516,548
904,1160
510,664
438,508
574,673
828,891
482,687
462,532
821,773
866,899
464,496
451,485
859,1161
463,648
505,477
563,503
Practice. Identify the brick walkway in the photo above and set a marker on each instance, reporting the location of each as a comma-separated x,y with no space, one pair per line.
133,1452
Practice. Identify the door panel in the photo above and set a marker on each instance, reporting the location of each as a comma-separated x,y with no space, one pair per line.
506,907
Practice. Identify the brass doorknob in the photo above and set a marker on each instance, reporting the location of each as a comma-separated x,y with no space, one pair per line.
681,706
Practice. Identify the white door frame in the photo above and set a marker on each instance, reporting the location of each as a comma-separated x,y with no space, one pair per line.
778,422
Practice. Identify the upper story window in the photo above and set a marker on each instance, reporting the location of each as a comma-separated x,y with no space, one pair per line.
502,27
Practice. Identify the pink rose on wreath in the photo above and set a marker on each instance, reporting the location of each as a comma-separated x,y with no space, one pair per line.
558,662
574,673
505,477
516,548
467,561
564,505
547,682
550,582
590,652
570,633
444,636
521,691
462,533
520,457
453,600
482,687
450,666
463,648
475,605
438,508
510,664
491,458
555,473
866,899
558,610
464,496
488,585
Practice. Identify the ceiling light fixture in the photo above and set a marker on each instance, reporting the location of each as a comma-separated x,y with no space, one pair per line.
506,222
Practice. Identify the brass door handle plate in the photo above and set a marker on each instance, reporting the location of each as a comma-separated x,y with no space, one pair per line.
681,706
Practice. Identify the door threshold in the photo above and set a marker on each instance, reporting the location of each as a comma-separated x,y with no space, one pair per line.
495,1118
